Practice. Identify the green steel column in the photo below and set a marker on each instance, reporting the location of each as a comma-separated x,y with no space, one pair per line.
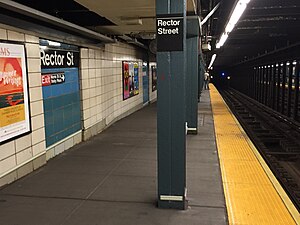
171,132
192,75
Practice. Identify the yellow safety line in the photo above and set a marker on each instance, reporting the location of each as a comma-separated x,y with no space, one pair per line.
245,213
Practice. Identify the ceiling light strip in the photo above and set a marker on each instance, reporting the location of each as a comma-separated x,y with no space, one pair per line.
213,58
238,11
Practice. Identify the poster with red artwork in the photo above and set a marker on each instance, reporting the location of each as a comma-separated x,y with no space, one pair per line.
14,102
126,80
130,79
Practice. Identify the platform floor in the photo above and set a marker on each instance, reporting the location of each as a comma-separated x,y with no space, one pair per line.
111,179
251,197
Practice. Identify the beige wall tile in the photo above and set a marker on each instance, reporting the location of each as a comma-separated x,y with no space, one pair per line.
86,104
34,65
8,179
98,54
92,73
35,94
87,123
92,63
77,138
38,136
7,150
36,108
91,53
3,34
92,92
69,143
84,63
85,84
50,154
39,148
25,169
23,143
15,36
24,155
84,74
37,122
84,53
35,80
32,39
33,50
86,114
7,164
85,94
59,149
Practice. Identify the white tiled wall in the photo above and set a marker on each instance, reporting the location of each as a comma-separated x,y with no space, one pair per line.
101,96
101,82
21,150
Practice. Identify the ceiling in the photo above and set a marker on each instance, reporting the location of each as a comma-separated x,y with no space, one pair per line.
264,26
130,16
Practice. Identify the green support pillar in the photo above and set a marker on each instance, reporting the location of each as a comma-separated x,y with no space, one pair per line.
192,75
171,131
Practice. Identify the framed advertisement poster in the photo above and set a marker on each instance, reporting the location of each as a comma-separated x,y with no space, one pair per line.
154,78
14,101
130,79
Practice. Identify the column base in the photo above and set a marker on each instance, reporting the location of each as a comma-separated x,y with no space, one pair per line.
181,205
193,131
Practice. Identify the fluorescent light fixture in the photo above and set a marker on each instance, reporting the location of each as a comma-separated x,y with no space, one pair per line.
54,43
213,58
222,40
235,16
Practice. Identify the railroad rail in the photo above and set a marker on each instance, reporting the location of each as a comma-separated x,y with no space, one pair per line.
276,137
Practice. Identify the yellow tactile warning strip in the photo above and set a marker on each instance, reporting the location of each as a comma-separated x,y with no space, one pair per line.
250,195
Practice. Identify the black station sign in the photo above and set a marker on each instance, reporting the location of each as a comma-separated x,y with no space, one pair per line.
51,58
169,32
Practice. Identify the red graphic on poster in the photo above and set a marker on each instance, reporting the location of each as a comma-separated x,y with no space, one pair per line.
11,82
126,80
130,79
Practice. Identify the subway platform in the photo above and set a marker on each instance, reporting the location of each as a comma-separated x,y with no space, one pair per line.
111,179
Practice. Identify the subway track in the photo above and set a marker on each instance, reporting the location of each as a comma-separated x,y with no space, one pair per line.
275,136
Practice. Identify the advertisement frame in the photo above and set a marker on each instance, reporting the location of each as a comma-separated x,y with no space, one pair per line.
154,78
130,92
26,95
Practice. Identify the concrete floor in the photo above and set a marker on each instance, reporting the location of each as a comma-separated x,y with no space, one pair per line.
111,180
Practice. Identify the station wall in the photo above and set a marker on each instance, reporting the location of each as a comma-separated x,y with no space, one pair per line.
101,98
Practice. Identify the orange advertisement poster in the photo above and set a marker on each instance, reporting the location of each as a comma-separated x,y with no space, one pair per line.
11,85
14,111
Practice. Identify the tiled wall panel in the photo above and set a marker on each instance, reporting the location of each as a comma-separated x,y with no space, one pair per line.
101,103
